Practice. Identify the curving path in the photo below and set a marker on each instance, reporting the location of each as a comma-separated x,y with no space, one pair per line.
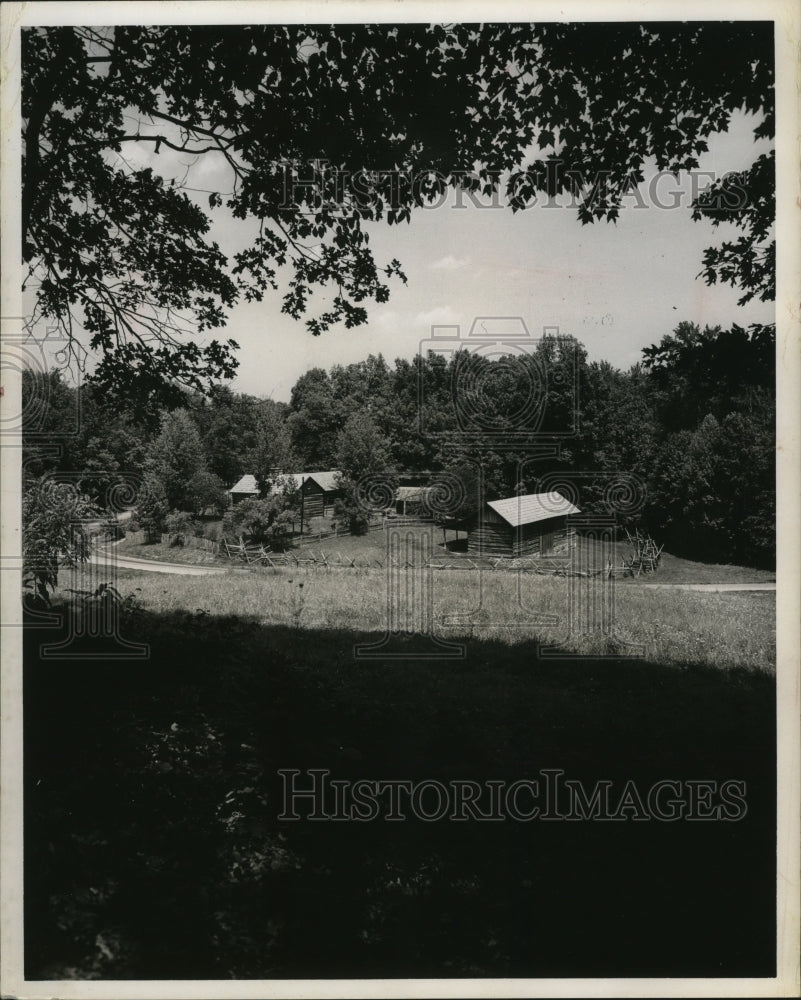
105,557
187,569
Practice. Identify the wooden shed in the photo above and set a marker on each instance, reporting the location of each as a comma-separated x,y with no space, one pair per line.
534,524
412,500
319,491
245,489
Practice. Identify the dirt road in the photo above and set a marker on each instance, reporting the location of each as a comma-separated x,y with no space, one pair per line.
185,569
151,566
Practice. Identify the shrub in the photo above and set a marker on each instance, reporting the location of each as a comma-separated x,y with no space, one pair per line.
212,531
151,506
251,519
180,526
54,533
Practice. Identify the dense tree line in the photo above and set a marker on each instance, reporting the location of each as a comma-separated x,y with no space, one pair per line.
693,425
124,254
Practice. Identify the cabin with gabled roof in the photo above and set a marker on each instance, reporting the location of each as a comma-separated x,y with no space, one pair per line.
535,524
244,489
319,490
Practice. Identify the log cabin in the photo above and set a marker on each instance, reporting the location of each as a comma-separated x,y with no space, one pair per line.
535,524
245,489
319,490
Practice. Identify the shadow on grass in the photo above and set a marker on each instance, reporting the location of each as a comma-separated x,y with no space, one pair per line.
154,847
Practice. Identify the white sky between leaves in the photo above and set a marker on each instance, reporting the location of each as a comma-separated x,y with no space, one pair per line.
616,287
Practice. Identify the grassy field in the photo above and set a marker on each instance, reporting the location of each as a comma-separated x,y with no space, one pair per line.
155,846
155,841
672,627
371,549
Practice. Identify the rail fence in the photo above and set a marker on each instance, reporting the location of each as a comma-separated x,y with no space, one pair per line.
305,557
257,555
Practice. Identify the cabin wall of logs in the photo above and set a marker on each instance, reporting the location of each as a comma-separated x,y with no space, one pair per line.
493,536
318,502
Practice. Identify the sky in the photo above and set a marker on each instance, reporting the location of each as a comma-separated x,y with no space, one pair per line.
616,287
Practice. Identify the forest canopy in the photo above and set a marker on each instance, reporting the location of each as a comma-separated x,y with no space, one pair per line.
692,427
122,258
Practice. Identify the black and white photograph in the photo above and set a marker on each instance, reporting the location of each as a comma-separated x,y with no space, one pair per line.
400,509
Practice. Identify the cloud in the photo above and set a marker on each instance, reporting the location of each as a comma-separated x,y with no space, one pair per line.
438,316
385,319
450,263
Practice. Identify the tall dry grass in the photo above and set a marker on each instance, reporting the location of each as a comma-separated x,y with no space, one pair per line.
589,618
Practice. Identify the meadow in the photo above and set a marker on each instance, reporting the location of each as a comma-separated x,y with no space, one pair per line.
727,629
156,845
370,550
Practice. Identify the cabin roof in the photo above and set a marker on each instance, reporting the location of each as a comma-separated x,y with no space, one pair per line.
247,484
532,507
325,480
412,492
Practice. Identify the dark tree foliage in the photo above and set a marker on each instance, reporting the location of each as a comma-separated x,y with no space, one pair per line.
693,427
323,128
712,488
97,442
696,371
747,200
229,426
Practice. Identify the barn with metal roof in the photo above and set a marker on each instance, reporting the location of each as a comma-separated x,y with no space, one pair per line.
533,524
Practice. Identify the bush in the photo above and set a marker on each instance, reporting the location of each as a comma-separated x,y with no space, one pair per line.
250,519
260,521
211,531
206,490
180,526
151,506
